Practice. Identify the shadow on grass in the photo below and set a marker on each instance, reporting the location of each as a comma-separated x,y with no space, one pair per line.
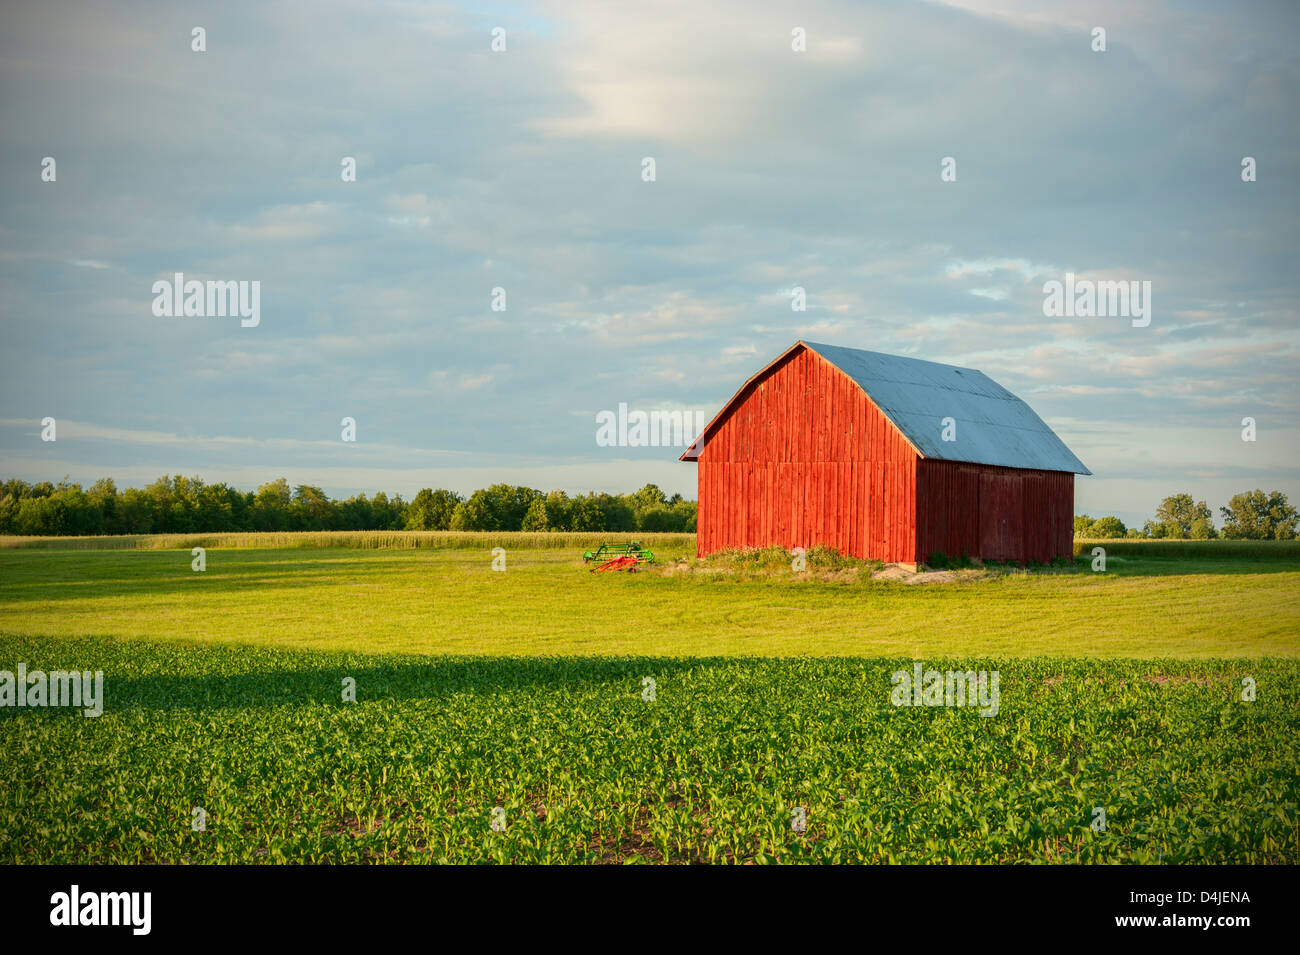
177,676
323,683
135,573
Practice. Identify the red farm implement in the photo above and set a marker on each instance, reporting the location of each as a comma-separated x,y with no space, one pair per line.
626,562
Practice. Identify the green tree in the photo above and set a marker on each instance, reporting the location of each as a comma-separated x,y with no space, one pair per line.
135,513
689,511
663,520
160,498
510,504
39,516
103,496
356,514
8,513
648,497
617,513
1179,512
500,507
443,504
15,488
431,510
312,508
557,511
475,514
216,508
1255,515
387,515
586,515
536,518
271,506
1107,527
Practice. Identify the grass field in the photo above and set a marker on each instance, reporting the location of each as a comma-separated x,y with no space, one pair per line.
450,600
523,691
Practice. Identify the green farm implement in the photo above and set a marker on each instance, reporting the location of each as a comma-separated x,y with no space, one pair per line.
629,555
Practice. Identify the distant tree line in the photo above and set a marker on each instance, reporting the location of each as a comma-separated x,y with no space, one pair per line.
172,505
176,504
1250,515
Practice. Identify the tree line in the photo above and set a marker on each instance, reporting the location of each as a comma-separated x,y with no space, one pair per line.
180,505
1250,515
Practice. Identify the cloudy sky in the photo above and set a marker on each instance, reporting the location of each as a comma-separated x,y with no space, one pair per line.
522,170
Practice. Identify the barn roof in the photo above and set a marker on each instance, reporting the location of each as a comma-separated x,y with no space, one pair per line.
993,426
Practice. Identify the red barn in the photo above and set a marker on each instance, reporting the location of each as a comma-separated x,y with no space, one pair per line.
883,457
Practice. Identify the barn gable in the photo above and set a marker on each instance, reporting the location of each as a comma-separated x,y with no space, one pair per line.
802,457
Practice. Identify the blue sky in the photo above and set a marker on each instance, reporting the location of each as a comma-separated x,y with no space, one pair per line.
522,170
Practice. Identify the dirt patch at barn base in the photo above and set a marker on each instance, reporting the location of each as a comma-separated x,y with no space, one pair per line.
903,575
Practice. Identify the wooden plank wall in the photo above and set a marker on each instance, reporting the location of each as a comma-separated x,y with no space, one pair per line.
805,458
994,513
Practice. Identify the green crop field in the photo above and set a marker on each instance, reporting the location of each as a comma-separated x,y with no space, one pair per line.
524,697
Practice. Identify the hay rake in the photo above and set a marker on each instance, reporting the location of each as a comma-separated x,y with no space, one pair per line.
618,557
606,551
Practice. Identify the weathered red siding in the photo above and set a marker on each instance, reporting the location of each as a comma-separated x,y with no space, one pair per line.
993,513
805,458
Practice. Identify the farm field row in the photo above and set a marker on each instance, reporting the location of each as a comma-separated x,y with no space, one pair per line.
577,762
545,603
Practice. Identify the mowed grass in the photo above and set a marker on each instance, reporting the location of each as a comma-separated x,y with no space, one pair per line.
583,768
451,601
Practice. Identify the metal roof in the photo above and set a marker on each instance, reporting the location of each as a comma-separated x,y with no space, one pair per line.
993,426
